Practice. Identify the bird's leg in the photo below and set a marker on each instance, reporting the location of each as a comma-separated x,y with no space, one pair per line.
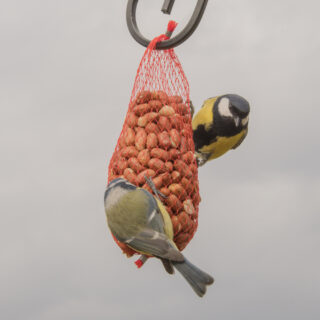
153,188
201,160
191,108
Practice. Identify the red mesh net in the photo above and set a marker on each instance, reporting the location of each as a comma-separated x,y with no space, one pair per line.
156,140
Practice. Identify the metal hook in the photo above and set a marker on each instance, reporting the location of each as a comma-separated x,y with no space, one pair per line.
166,8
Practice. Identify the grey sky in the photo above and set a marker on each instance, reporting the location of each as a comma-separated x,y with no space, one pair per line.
66,74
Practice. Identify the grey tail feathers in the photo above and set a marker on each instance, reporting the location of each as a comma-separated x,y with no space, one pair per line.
197,279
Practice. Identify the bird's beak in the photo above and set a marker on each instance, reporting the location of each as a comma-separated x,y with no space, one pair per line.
237,121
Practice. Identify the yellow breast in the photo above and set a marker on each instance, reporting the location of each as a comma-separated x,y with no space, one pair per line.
168,229
221,145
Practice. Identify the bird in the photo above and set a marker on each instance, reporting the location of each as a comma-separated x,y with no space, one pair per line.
220,125
138,219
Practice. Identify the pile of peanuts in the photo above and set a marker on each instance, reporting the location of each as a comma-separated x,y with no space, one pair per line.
156,141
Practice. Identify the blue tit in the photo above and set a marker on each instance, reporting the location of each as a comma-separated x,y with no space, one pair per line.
220,125
140,220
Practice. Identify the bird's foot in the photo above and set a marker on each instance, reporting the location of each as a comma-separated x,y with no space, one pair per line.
153,188
201,160
191,108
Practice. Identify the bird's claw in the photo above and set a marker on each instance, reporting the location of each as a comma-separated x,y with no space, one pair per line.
153,188
191,108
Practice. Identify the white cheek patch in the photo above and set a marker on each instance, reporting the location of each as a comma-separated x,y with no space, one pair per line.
245,120
114,195
223,108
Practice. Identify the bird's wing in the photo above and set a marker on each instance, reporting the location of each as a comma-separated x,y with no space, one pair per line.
168,266
154,243
240,141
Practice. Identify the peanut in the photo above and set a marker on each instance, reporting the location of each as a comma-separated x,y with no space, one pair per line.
121,164
152,140
158,182
194,168
129,152
134,164
173,202
141,176
182,240
141,109
143,97
160,154
169,166
166,178
175,224
178,190
181,108
152,128
164,139
175,99
129,137
162,96
167,111
188,207
157,165
129,174
147,187
147,118
141,140
185,221
144,157
174,154
183,168
183,145
175,138
188,185
188,157
176,176
155,105
165,191
176,121
132,119
164,123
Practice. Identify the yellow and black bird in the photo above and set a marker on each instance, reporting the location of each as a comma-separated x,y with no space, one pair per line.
220,125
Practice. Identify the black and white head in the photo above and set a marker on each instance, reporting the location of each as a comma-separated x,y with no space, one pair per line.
233,108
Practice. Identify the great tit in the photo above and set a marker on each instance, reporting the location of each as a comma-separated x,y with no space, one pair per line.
220,125
140,220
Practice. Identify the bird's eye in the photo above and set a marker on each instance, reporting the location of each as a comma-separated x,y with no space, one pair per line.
234,110
237,111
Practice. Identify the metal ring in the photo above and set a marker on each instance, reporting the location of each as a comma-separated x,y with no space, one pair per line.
170,43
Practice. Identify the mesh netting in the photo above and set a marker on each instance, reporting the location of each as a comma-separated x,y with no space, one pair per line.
156,140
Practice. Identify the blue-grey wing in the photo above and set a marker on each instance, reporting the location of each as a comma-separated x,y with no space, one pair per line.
155,243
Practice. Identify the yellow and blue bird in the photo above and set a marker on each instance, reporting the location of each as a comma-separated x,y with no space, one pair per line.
140,220
220,125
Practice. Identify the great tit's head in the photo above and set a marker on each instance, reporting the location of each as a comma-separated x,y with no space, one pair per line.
234,107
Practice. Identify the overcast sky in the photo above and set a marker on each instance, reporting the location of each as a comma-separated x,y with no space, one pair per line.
66,74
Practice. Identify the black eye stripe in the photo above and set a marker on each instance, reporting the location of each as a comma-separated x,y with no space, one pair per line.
122,183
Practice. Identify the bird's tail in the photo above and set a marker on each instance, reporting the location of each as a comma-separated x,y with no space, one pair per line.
197,279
